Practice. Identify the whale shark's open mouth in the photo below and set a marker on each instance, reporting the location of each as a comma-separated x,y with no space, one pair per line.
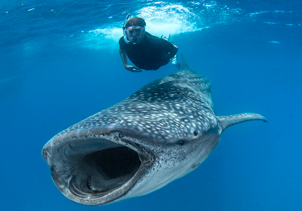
98,169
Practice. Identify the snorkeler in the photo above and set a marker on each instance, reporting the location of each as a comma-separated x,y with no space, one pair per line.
143,49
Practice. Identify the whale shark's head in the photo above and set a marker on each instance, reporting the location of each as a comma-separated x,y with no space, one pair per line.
101,166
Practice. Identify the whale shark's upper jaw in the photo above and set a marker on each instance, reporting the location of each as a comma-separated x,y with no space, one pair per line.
98,169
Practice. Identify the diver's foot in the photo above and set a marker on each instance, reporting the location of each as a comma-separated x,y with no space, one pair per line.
165,38
174,61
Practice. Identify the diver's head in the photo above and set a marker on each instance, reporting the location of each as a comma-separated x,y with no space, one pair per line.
134,30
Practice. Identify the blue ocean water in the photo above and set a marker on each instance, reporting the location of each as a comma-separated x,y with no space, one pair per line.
60,64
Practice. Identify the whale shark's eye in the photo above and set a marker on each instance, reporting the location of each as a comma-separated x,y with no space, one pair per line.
195,133
181,142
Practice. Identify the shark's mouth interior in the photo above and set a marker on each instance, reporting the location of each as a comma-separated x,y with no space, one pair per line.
119,163
96,171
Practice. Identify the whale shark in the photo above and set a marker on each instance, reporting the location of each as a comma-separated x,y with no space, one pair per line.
160,133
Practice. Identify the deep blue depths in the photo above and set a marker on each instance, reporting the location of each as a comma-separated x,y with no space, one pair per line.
48,81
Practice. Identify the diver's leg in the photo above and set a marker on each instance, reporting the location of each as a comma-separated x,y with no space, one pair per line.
174,59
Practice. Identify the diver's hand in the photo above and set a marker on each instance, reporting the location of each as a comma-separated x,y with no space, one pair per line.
132,69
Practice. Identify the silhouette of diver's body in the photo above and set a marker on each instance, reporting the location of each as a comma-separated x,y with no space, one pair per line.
143,49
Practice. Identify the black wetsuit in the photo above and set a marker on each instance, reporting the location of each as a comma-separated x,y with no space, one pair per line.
151,53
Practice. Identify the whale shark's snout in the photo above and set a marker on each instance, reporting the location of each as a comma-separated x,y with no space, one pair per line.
95,169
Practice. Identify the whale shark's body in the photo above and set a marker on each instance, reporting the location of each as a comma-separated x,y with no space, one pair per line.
158,134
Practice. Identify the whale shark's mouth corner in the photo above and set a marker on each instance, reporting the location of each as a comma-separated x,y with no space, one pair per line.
97,170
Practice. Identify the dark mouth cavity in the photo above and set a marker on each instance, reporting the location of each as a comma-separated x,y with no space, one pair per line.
114,163
92,168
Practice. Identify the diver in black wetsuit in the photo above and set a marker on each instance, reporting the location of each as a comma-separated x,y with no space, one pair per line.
143,49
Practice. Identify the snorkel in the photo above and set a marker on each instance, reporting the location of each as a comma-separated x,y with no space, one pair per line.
124,28
134,30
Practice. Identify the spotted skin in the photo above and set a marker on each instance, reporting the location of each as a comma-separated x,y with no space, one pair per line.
165,110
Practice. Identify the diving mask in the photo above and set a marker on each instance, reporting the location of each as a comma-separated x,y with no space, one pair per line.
134,31
135,34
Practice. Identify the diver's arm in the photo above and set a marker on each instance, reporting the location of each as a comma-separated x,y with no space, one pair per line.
124,57
125,62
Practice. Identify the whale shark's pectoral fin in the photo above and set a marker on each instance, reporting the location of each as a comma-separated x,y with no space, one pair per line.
226,121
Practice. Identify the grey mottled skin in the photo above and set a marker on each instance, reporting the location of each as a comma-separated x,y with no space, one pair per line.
171,125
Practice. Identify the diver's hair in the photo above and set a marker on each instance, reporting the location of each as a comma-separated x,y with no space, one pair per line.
136,21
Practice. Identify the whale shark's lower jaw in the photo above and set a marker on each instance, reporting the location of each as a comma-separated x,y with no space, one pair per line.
98,169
